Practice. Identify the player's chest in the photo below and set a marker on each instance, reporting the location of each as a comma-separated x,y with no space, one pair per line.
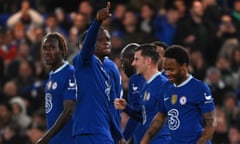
54,87
179,99
150,96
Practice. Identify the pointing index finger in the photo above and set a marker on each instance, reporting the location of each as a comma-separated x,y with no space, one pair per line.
108,6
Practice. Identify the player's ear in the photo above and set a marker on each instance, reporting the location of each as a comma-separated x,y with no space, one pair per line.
148,60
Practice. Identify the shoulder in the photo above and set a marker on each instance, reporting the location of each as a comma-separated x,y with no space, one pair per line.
136,77
68,70
70,67
109,62
199,84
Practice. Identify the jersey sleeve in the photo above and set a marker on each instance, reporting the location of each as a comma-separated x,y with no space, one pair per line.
115,128
70,91
130,127
88,47
136,114
205,99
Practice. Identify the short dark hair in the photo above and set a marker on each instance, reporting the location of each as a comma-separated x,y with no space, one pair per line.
149,50
179,53
128,51
161,44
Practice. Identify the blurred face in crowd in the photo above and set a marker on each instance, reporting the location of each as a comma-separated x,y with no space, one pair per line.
172,16
234,135
180,5
129,18
25,70
10,89
86,8
51,21
4,114
146,12
80,21
25,4
119,11
237,6
197,9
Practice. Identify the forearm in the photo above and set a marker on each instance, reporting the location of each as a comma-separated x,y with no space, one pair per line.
36,17
153,129
209,128
14,19
63,118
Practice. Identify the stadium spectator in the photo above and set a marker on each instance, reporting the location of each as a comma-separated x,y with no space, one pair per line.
19,112
27,15
192,33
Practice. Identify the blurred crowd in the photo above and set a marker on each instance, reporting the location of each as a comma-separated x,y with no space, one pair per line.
209,29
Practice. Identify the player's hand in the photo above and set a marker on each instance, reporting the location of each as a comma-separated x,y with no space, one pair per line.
120,103
122,141
104,13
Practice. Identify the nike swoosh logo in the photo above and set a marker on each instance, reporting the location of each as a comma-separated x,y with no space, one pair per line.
165,99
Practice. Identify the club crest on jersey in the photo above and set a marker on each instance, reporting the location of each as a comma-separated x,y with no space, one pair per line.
146,96
49,84
54,85
183,100
174,99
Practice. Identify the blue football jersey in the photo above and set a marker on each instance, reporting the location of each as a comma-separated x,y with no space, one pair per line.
185,105
60,86
115,92
135,85
151,95
91,115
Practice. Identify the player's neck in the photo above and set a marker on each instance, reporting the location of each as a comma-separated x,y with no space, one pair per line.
101,58
149,73
58,65
183,79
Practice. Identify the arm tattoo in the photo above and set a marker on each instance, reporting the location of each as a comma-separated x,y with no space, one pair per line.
210,123
156,125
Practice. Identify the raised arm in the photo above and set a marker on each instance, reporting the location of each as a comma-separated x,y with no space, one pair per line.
89,42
